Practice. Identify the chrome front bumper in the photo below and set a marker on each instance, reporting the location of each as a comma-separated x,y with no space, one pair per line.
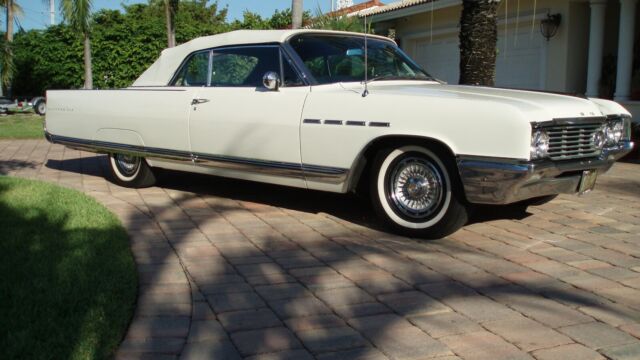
506,181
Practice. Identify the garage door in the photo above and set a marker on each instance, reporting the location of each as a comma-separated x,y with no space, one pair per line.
522,64
440,58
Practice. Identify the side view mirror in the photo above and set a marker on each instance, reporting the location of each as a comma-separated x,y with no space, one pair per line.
271,81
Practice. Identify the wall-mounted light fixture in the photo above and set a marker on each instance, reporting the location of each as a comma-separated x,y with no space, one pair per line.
549,26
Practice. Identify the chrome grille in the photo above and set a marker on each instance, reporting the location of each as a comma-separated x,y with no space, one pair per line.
572,141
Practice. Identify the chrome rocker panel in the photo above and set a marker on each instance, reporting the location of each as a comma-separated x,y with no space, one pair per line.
505,181
315,173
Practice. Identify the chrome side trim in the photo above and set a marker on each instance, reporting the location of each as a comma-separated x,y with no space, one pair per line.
325,174
347,122
379,124
108,147
316,173
257,166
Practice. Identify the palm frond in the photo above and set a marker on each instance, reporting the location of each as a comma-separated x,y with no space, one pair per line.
6,63
77,13
18,11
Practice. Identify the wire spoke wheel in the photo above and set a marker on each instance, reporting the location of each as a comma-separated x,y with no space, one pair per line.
416,187
415,191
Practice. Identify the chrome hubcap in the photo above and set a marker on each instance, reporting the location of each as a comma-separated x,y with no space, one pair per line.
416,187
127,164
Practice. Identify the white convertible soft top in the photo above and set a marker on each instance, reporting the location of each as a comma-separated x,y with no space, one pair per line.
160,73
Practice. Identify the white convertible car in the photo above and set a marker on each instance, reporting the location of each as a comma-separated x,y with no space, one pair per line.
336,111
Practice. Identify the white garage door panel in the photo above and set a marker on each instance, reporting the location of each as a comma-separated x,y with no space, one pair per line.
522,64
440,58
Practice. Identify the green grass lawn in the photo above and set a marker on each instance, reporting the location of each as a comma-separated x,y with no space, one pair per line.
67,277
21,126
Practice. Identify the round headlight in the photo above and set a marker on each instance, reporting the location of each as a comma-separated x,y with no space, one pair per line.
599,137
613,132
539,144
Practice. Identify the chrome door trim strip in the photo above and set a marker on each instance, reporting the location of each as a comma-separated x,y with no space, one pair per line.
325,174
257,166
109,147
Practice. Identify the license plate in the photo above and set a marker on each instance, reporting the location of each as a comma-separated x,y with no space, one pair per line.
588,181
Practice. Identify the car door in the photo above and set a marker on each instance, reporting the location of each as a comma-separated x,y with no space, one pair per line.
239,128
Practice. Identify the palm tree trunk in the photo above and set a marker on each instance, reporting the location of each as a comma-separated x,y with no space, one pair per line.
171,32
9,34
296,12
88,71
7,61
52,12
478,42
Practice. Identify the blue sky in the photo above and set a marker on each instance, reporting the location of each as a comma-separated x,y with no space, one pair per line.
36,12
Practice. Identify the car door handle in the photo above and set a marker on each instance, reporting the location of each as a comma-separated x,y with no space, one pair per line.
199,101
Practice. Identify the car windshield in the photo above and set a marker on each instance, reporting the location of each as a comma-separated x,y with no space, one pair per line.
332,59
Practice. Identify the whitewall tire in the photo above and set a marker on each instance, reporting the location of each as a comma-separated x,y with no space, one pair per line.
417,193
131,171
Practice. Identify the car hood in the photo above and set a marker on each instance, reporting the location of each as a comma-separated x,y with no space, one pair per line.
535,105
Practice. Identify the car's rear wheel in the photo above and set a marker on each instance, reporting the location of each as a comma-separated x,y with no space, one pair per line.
416,192
131,171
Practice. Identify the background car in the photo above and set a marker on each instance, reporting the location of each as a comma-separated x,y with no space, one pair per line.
37,104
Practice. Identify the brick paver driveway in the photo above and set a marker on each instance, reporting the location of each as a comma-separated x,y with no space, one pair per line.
231,269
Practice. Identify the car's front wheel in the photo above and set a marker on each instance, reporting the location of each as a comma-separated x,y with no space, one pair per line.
416,192
131,171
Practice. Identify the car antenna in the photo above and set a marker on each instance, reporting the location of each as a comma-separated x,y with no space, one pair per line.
366,59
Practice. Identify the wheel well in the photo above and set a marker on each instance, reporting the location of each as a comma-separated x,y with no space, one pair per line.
362,168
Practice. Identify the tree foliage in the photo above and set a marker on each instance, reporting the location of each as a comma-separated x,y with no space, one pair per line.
124,45
281,19
338,23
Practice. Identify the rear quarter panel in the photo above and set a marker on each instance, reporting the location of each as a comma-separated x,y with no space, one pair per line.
157,117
